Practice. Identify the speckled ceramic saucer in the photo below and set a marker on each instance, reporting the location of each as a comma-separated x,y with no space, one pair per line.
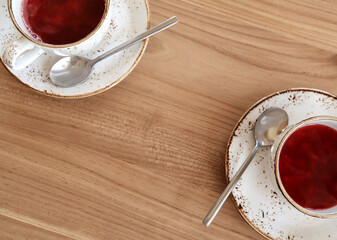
130,17
257,196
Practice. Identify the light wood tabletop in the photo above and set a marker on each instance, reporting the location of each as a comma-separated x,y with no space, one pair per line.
145,159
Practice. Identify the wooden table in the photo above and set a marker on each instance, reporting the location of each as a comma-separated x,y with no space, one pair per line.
145,160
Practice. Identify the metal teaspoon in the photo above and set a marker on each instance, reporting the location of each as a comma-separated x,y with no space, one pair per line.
74,70
267,128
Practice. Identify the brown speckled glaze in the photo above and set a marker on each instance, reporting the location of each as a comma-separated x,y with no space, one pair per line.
257,195
130,18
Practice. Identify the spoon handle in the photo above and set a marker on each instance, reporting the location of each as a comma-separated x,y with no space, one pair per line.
223,197
162,26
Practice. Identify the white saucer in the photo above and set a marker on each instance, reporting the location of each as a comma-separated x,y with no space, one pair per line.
257,196
130,17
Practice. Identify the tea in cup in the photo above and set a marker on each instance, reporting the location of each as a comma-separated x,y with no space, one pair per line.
306,166
64,27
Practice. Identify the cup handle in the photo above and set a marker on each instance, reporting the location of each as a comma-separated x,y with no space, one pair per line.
21,53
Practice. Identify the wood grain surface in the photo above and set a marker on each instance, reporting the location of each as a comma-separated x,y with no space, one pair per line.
145,160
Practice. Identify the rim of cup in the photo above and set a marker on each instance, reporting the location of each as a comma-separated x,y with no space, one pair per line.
30,38
325,213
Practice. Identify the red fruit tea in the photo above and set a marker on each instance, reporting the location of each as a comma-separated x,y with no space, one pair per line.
61,22
308,166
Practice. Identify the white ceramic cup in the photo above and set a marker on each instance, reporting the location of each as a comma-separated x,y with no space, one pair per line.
276,151
27,49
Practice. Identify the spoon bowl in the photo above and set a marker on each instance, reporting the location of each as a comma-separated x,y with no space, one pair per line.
269,126
71,71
